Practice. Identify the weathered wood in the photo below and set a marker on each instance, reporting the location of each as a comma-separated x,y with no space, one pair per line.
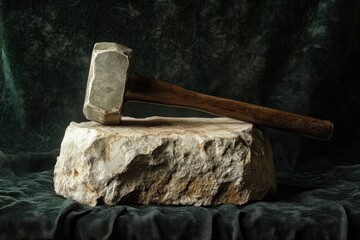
140,88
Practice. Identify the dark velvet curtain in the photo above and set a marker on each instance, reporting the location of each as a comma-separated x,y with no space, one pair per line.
299,56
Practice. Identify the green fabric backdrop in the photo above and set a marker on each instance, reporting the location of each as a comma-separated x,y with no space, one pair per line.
300,56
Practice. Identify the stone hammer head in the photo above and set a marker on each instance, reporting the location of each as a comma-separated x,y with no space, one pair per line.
109,71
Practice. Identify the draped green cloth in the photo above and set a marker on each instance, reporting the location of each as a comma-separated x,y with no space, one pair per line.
299,56
320,205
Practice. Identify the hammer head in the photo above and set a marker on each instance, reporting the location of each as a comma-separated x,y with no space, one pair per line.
109,70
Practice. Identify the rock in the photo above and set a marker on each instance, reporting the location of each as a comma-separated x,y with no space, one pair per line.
169,161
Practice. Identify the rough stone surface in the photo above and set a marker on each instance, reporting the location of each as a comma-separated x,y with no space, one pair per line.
188,161
109,70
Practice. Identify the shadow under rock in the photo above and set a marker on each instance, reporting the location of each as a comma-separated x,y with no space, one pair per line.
287,192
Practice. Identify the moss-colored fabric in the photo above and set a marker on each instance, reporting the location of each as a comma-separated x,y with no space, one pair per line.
321,205
299,56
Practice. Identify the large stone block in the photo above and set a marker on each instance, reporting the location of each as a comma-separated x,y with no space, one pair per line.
188,161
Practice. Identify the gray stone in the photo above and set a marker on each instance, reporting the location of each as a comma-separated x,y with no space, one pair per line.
109,70
188,161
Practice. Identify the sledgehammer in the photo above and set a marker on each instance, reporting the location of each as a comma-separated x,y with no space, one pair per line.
111,83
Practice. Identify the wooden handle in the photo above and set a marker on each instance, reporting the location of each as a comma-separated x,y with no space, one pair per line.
144,89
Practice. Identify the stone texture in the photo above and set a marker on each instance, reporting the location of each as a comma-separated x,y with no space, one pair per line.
109,70
188,161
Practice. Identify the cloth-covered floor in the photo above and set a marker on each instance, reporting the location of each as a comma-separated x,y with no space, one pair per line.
321,205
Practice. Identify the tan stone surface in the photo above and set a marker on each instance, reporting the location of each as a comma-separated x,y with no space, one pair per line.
188,161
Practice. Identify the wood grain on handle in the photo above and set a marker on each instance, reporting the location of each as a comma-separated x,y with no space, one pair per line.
141,88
